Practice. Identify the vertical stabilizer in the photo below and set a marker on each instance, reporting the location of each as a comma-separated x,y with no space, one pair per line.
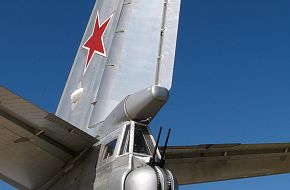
77,101
128,46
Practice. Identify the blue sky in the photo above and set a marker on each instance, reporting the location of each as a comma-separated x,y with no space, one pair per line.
231,81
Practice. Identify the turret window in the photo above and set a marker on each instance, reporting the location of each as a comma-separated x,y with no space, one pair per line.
109,149
140,145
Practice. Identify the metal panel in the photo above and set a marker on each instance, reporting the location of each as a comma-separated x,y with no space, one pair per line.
27,161
79,113
168,44
133,58
35,145
205,163
43,124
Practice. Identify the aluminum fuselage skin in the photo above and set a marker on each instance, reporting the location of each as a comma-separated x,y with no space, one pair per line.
119,171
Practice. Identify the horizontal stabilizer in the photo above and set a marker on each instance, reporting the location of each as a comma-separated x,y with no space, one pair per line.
35,145
206,163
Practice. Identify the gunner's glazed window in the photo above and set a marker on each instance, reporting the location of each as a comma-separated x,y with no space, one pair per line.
140,145
109,149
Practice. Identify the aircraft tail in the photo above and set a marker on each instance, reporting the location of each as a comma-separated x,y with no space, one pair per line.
128,45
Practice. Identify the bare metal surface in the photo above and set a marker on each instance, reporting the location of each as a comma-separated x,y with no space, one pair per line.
29,163
79,113
204,163
41,151
169,37
133,43
43,124
134,54
143,178
81,176
140,107
34,145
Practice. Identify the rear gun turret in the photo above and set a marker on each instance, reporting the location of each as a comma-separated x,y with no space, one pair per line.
150,178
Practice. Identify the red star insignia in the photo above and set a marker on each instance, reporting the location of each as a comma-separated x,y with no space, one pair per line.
95,43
